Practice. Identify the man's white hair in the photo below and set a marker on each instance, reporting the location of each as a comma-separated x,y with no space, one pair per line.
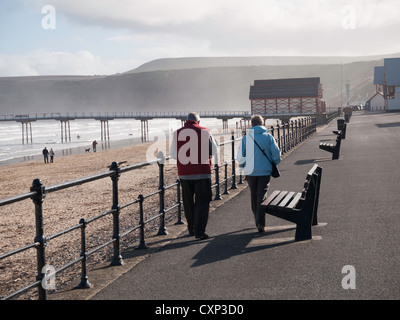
194,116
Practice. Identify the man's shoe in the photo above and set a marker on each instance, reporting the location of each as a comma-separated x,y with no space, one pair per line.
202,236
260,228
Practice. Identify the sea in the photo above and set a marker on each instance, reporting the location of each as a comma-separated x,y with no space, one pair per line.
47,133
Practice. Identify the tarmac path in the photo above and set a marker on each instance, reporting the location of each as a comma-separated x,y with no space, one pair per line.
359,226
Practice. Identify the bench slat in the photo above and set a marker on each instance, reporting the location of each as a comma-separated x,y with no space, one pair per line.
270,198
278,199
288,197
294,202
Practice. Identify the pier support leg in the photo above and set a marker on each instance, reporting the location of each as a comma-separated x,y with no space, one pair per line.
65,129
26,131
62,132
225,125
105,130
144,127
108,132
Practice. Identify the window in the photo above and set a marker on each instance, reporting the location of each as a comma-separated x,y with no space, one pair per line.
390,92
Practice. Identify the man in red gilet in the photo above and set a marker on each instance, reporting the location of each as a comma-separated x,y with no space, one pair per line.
193,146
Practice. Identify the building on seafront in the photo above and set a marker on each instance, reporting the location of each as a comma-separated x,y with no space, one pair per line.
387,80
287,96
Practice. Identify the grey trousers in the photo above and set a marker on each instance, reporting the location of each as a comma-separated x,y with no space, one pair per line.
258,188
196,196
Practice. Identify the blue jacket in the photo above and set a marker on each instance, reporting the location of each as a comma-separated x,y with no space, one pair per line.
251,158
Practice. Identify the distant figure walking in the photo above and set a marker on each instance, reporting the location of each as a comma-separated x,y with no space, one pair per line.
51,155
193,146
45,155
94,144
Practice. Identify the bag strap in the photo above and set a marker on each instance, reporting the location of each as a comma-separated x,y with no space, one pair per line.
262,150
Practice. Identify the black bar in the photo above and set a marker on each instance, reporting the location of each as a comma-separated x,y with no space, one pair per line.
117,258
178,201
84,284
162,230
142,243
37,199
233,186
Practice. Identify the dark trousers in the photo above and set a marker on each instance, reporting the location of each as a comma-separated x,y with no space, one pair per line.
196,195
258,189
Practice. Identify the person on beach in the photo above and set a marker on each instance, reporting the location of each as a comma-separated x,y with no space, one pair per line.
45,153
256,166
51,155
94,144
193,146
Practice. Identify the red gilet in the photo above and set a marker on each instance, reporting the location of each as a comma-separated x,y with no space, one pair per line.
193,149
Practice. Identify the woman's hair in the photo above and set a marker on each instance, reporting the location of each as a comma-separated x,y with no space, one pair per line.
257,120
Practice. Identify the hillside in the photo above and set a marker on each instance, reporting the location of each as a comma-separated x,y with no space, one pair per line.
211,62
184,87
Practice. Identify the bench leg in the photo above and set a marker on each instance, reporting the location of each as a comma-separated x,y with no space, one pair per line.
335,154
303,225
303,231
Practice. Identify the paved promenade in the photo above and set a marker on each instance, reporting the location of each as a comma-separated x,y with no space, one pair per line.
359,226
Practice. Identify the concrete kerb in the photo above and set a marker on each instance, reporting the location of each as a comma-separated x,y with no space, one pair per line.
104,274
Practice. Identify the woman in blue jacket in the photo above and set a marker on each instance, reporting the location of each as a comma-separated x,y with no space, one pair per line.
256,166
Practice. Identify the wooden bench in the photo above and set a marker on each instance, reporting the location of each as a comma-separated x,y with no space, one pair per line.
298,207
342,127
333,148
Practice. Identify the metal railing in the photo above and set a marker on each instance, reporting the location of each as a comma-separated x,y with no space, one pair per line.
287,135
290,134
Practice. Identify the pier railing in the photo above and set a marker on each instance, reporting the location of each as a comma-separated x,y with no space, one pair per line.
288,136
120,115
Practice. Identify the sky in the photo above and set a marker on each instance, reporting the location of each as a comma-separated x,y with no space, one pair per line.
93,37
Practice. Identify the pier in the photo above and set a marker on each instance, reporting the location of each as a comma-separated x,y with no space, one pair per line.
144,117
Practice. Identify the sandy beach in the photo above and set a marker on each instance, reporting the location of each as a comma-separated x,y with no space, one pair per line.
64,209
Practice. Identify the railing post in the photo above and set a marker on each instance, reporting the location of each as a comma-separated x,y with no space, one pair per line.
240,176
142,243
292,144
117,258
84,284
37,199
233,186
217,192
307,127
178,201
284,137
315,125
226,178
279,136
162,231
